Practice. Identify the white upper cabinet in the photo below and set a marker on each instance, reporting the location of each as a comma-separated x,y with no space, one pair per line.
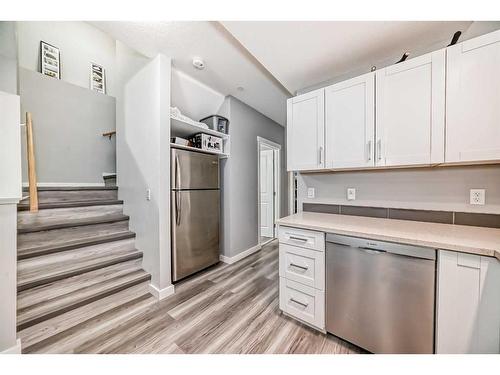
410,108
350,123
473,100
306,131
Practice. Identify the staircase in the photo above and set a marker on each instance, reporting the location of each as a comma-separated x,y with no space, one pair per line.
76,258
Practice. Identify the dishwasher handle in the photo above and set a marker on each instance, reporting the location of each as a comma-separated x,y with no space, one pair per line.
382,246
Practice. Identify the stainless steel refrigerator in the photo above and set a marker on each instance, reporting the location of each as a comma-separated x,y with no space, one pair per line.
195,211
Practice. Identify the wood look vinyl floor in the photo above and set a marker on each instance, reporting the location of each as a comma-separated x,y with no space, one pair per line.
226,309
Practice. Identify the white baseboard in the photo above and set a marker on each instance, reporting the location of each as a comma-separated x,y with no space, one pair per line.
161,294
66,184
16,349
240,256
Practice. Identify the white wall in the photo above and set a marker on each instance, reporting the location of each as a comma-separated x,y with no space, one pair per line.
443,188
193,98
79,44
143,154
10,194
8,57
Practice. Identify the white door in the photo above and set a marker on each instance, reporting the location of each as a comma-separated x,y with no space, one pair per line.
267,193
473,100
306,131
410,112
350,123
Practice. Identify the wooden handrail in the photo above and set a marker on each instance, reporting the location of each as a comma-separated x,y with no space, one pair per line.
31,164
109,134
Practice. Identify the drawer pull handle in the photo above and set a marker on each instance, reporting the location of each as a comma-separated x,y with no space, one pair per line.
304,305
298,239
297,266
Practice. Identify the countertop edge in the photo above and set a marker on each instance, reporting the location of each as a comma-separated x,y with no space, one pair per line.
408,241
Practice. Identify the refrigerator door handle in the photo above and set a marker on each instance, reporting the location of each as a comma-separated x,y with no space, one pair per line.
178,208
177,172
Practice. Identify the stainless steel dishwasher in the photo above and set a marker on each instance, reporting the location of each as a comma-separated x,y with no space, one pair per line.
380,295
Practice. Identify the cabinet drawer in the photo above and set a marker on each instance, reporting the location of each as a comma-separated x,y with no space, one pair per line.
302,237
302,265
303,302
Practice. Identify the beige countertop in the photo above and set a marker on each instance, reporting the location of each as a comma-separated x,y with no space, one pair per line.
462,238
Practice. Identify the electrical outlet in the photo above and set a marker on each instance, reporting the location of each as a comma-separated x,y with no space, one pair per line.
148,194
351,194
310,192
477,196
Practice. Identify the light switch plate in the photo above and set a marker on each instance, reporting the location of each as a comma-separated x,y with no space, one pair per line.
477,196
148,194
310,192
351,194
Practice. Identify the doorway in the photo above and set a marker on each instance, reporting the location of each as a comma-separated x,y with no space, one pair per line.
268,156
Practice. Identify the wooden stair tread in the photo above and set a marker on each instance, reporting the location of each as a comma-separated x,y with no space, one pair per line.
43,293
59,333
24,206
42,303
57,218
49,268
51,241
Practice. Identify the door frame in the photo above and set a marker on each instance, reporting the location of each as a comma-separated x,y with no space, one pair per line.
277,184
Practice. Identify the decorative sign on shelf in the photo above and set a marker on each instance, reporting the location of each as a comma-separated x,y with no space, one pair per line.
50,60
97,78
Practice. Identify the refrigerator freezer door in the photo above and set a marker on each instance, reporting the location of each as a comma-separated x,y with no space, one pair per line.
193,170
195,231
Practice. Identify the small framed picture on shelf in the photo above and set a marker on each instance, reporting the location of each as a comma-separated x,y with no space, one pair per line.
50,60
97,78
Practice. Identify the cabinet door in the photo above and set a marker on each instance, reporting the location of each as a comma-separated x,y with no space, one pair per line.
473,100
410,108
306,131
468,304
350,123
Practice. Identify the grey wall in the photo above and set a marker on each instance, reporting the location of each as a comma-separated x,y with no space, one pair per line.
68,122
8,57
239,175
440,188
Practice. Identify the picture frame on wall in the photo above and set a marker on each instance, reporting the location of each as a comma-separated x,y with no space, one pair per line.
97,78
50,60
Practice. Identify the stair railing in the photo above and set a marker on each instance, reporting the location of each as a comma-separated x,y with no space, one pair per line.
30,148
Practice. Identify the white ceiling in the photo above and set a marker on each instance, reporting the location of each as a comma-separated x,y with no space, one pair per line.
302,54
228,64
273,59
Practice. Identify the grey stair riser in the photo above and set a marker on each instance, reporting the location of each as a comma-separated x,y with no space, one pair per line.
53,196
73,188
45,206
74,272
83,222
83,302
35,252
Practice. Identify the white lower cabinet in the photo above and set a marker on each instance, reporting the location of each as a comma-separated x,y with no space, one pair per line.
468,304
302,275
303,302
